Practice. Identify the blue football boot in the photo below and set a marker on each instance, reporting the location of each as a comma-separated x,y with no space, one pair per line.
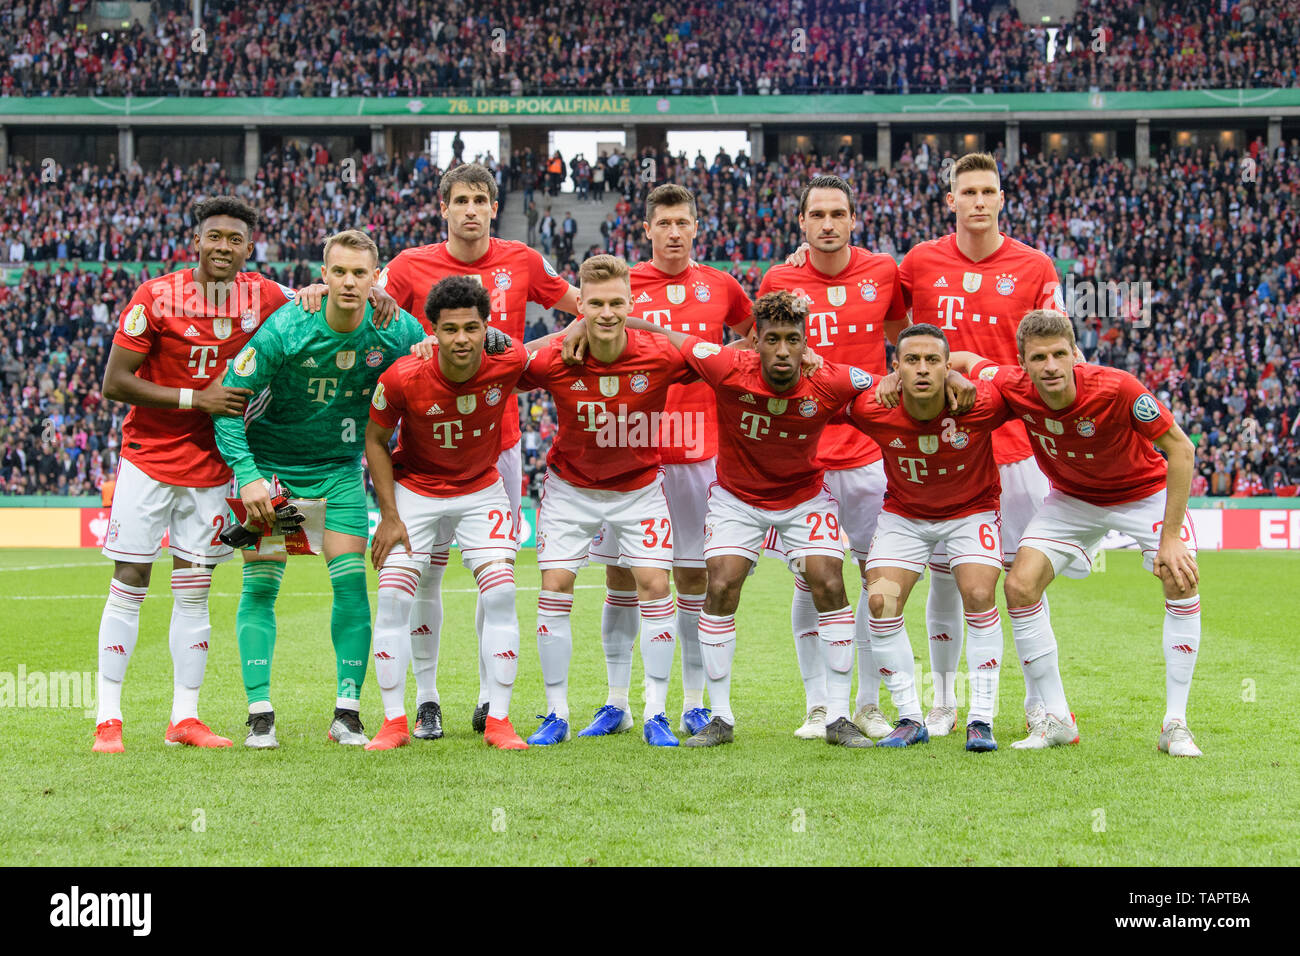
553,730
608,720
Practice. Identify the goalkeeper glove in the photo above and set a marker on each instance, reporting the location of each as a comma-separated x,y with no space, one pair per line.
287,519
496,342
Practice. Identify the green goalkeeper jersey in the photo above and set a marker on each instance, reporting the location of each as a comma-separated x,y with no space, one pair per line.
311,391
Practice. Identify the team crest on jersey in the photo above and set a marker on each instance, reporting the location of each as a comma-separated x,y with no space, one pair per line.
703,350
1053,426
639,382
465,404
493,395
959,439
113,529
1145,408
867,289
777,405
1086,427
374,357
989,373
550,269
378,399
836,295
702,292
599,537
708,533
929,444
501,279
808,407
541,541
970,282
345,360
135,322
222,327
246,363
677,294
1006,284
609,385
248,320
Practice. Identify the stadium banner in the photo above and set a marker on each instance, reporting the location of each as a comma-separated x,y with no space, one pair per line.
198,108
1272,527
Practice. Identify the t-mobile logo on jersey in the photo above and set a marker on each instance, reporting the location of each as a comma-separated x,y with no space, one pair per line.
592,415
915,468
202,358
822,326
754,425
950,309
449,433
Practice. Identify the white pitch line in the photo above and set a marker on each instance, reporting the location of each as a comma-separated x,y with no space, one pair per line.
227,594
46,567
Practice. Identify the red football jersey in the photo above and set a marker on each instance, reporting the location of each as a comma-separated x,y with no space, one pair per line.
609,414
846,324
1099,448
187,343
451,431
700,301
513,273
979,305
767,440
938,469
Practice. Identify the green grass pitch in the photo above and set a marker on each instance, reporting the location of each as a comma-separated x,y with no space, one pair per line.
767,799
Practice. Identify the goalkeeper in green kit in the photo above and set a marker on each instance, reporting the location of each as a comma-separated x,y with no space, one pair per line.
312,375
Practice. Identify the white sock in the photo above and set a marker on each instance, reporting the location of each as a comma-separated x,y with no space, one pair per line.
658,643
1036,648
1182,641
426,630
496,588
619,619
892,654
835,631
555,647
188,638
868,677
717,649
260,707
943,615
807,646
1033,699
119,629
984,659
392,638
479,621
689,608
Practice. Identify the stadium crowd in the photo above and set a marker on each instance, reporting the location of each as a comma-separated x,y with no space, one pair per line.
1215,335
527,47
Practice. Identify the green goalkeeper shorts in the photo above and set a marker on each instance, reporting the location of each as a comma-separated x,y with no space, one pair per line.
344,491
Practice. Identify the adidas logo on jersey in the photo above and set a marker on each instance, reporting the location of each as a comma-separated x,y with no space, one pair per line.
748,399
941,283
897,443
434,409
310,363
578,386
191,333
643,297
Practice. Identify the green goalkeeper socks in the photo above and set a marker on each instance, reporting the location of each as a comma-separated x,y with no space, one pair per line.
255,626
350,623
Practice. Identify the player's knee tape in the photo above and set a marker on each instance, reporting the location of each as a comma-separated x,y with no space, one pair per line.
839,653
190,588
888,592
717,657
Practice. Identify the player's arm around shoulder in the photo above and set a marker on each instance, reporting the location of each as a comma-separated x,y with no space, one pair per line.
387,405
